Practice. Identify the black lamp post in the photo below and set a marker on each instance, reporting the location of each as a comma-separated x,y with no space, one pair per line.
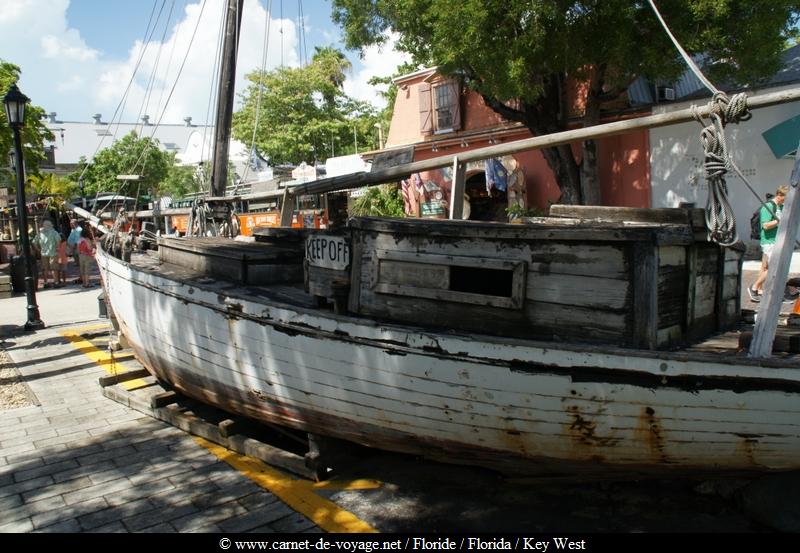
15,113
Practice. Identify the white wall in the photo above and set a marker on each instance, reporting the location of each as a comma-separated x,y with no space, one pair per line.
676,158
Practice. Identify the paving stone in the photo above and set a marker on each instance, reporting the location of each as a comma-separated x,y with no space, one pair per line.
115,527
30,459
81,470
70,526
48,518
257,500
21,448
9,502
120,453
163,528
60,439
45,470
242,523
208,517
146,489
26,510
55,489
293,523
107,516
226,494
159,515
18,526
97,490
28,485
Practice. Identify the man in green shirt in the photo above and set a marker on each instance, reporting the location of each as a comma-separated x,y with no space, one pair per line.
47,241
770,216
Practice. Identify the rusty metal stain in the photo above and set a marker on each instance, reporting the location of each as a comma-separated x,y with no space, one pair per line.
651,433
748,448
583,430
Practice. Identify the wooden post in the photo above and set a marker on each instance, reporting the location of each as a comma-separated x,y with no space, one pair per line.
457,190
770,308
287,208
645,294
227,74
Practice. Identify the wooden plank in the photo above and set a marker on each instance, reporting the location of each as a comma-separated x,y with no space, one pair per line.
111,379
162,399
691,287
457,190
671,255
588,259
705,297
424,275
645,294
553,321
356,264
580,291
767,322
449,296
667,215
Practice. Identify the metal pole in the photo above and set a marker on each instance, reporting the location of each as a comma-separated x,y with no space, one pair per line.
33,322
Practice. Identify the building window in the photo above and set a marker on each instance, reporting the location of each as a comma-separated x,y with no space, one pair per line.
440,110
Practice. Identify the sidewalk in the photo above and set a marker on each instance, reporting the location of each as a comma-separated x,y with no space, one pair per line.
80,462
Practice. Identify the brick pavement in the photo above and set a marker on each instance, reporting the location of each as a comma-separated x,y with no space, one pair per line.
80,462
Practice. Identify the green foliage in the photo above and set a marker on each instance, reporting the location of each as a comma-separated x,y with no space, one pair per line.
33,134
379,201
130,155
528,50
48,184
304,114
516,211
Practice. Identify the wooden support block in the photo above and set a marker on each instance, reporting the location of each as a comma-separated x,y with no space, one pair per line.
162,399
5,279
785,342
111,379
229,427
5,294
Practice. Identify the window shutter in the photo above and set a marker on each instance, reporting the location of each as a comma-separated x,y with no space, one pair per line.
425,111
455,95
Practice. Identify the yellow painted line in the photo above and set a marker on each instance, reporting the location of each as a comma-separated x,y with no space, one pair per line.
359,484
82,329
102,357
296,493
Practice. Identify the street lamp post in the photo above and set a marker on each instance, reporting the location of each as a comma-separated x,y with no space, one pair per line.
15,112
380,135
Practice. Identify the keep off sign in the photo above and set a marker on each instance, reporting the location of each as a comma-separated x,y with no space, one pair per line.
329,252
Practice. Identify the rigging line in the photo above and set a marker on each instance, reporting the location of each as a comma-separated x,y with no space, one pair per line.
169,64
126,96
151,84
127,89
212,100
303,32
689,61
264,52
175,84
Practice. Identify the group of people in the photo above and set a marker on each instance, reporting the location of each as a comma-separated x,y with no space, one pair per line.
769,219
55,250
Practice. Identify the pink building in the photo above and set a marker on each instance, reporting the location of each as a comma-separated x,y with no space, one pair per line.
438,116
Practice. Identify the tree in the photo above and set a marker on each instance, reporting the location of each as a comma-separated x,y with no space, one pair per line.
33,134
303,112
127,156
523,56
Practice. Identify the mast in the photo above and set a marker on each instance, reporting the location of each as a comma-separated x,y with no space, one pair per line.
227,76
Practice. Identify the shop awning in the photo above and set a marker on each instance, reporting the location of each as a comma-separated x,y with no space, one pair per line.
783,138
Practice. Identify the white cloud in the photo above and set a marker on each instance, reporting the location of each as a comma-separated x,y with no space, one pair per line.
376,62
69,46
62,73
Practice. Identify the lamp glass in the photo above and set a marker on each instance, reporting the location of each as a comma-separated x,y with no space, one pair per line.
14,102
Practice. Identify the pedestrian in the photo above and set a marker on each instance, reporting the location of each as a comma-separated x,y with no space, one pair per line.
47,242
86,251
62,259
72,243
770,216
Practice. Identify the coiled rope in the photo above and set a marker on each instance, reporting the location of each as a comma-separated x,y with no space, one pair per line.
720,218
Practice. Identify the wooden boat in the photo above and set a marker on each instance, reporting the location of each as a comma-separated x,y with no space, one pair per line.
595,339
572,343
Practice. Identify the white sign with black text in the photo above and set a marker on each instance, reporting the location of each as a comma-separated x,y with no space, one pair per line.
328,251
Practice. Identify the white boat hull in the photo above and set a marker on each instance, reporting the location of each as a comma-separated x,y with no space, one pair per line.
508,404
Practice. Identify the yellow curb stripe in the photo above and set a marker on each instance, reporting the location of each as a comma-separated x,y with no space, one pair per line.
82,329
297,494
359,484
102,358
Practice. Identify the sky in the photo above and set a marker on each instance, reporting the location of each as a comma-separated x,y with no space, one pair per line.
77,56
